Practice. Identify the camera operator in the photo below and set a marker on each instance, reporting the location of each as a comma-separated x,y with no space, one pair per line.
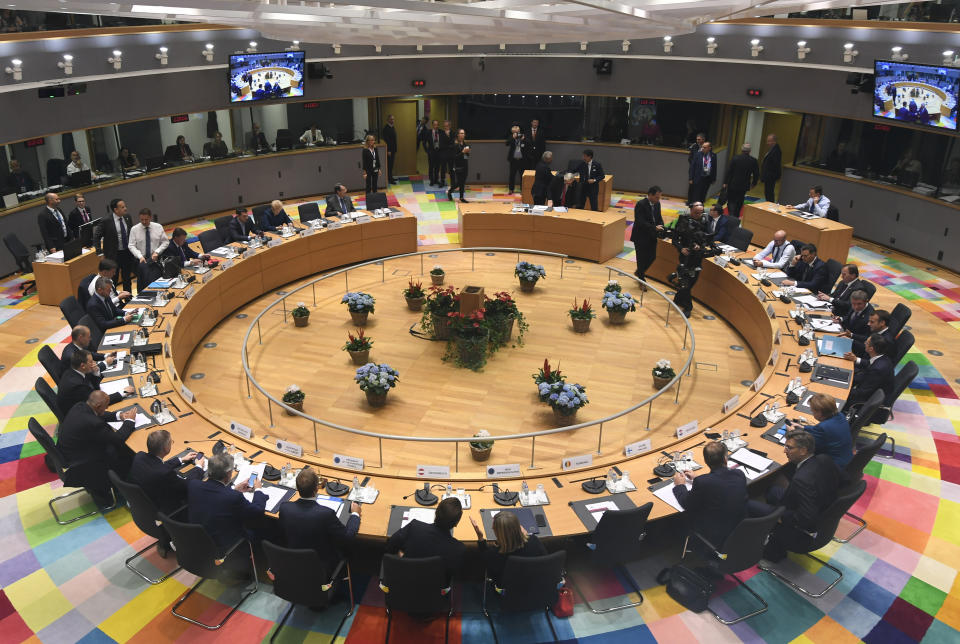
516,156
693,244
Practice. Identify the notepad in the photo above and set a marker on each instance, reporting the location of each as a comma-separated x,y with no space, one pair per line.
772,275
598,509
825,325
751,459
666,495
250,468
330,502
418,514
115,386
274,496
121,338
834,346
140,421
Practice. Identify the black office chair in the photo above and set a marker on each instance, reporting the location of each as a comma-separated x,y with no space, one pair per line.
797,245
617,540
284,140
48,396
376,200
308,211
898,318
740,238
416,586
907,374
21,255
854,473
222,225
199,555
56,171
72,311
870,288
833,214
742,549
833,271
50,362
903,343
83,295
210,240
102,162
295,575
145,515
825,529
71,476
528,584
96,335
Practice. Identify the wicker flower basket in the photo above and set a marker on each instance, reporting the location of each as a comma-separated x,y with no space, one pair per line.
617,317
375,399
480,454
360,357
437,279
359,319
441,327
660,383
562,418
296,405
580,325
527,285
301,320
415,303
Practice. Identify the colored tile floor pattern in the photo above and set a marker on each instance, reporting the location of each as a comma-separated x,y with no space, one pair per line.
69,583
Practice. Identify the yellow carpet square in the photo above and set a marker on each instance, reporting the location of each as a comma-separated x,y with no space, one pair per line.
37,600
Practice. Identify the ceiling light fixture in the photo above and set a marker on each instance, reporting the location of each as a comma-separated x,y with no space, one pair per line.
161,55
802,49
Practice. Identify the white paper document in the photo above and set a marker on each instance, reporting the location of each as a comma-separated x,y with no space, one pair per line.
665,494
811,301
274,496
597,509
751,474
330,502
772,275
418,514
248,469
118,365
825,325
751,459
115,386
139,422
121,338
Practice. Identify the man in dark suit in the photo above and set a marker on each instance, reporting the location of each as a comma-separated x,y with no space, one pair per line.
78,216
447,153
80,341
257,140
339,203
179,250
390,138
647,222
108,269
222,510
876,372
240,227
306,524
809,485
88,443
102,309
19,181
839,297
80,380
542,179
691,152
771,168
370,162
717,502
113,236
563,191
273,216
810,272
536,144
719,224
703,172
856,320
52,223
591,176
432,144
743,172
832,431
878,322
517,149
419,540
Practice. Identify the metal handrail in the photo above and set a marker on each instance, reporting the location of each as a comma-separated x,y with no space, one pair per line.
461,439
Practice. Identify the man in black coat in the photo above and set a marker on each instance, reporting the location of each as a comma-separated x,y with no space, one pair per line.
810,272
241,227
812,483
102,309
743,172
517,149
19,181
113,236
849,282
88,443
418,539
80,341
107,268
591,176
856,320
305,523
771,168
717,502
390,138
563,191
431,142
446,153
339,203
703,172
80,380
53,225
542,179
180,250
536,144
718,224
647,222
691,152
79,216
222,510
878,322
876,372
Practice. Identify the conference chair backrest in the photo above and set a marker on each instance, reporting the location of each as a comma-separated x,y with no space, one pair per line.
308,211
743,547
797,245
833,270
830,519
297,574
46,442
375,200
740,238
865,413
142,508
854,469
83,296
210,240
196,551
48,396
898,317
530,583
907,374
284,139
870,288
619,533
833,214
415,584
96,335
56,171
72,310
21,254
50,362
904,343
222,225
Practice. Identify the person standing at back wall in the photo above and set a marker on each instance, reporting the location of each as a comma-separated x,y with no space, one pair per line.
390,138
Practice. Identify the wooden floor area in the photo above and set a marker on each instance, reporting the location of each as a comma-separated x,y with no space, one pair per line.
437,399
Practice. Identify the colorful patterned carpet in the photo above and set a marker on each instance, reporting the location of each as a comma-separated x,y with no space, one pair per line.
69,583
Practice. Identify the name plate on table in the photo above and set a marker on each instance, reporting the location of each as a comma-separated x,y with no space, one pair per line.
686,430
177,309
774,356
395,215
290,448
760,294
758,383
500,471
349,462
306,232
771,311
433,471
362,219
742,276
241,430
730,404
186,393
171,373
640,447
187,294
206,277
166,349
274,242
721,261
576,462
333,225
225,264
776,337
250,252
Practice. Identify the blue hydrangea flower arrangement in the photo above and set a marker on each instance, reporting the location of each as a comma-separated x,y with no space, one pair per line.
564,398
377,378
618,301
359,302
528,272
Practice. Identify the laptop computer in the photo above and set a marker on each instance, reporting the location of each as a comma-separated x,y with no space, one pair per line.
86,232
81,178
71,249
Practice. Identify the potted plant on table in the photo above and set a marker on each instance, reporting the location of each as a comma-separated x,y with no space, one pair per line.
293,396
663,373
301,315
440,302
565,399
376,380
360,306
502,312
613,286
480,449
437,275
528,275
415,295
469,337
358,346
618,304
581,315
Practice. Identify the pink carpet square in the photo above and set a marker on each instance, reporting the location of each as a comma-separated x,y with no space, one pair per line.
911,507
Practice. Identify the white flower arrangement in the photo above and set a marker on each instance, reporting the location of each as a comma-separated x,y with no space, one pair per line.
293,394
613,286
301,311
436,270
481,444
663,369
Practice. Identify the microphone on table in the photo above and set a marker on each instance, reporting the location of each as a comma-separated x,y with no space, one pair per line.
759,420
423,495
218,447
504,497
594,485
336,488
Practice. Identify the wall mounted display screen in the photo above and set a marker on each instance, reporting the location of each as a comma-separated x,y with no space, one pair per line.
919,94
268,76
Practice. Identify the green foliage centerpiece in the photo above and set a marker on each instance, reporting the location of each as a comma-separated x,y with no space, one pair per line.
440,302
502,313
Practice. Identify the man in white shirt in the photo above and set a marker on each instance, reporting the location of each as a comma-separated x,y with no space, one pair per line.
313,135
76,164
817,204
777,254
147,239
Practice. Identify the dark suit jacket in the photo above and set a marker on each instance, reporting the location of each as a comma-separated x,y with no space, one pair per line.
20,182
86,437
305,524
51,231
83,290
542,179
174,251
715,504
495,561
389,137
266,218
418,540
160,481
856,324
74,388
69,351
810,276
696,168
832,436
813,487
723,228
743,172
104,313
867,378
860,350
240,231
555,192
106,235
771,167
368,158
75,220
841,295
646,218
334,207
512,145
536,145
221,510
446,143
596,173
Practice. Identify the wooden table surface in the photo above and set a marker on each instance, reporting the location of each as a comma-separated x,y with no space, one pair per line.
832,238
56,281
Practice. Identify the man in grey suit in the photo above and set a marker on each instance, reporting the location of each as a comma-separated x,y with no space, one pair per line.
339,203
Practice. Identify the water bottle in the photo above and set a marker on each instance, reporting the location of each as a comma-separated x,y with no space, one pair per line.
285,471
356,483
524,491
163,409
449,490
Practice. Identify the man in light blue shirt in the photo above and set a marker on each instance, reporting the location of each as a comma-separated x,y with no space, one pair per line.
777,254
818,204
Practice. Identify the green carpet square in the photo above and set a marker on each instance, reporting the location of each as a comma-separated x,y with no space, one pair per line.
922,595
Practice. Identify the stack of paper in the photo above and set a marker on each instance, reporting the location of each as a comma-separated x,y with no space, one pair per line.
666,495
597,509
139,422
772,275
418,514
121,338
274,494
751,459
826,325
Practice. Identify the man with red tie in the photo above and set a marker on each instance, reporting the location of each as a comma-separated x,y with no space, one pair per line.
79,215
563,191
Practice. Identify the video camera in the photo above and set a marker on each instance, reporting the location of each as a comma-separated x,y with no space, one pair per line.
689,233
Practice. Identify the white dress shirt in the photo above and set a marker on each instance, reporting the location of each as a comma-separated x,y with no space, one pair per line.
771,257
819,209
74,167
138,244
310,137
92,290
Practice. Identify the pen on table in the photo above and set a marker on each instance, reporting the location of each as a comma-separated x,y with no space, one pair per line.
172,404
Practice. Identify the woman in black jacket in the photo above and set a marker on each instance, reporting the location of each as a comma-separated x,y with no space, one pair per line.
512,541
461,156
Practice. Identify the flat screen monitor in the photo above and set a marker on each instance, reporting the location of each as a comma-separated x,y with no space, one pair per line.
268,76
86,232
918,94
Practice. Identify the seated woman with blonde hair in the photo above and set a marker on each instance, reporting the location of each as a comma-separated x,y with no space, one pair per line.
512,541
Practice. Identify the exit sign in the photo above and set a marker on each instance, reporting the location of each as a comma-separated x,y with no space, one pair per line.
419,84
754,93
179,118
32,143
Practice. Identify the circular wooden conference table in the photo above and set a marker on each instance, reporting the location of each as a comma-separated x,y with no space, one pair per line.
729,291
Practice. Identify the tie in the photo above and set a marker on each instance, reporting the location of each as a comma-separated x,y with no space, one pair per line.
60,220
589,166
343,206
183,255
655,211
713,225
563,197
777,251
436,140
148,254
123,233
106,305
